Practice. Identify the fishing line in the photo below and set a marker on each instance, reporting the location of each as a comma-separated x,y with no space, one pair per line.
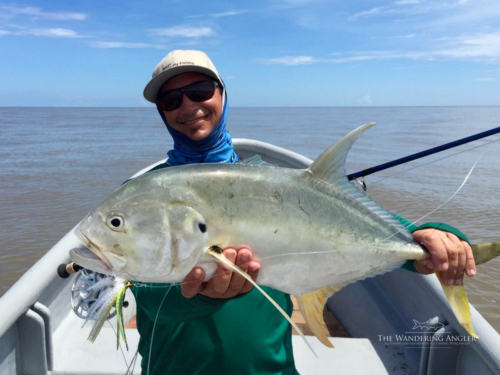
456,192
441,205
434,161
154,325
121,349
131,367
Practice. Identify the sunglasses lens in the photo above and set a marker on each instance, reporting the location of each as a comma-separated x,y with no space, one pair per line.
171,100
200,91
196,92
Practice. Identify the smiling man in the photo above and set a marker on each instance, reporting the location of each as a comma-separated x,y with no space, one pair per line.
198,327
223,326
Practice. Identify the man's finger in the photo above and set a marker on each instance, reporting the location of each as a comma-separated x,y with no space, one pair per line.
222,277
424,266
461,258
432,241
450,276
470,264
242,261
253,272
192,284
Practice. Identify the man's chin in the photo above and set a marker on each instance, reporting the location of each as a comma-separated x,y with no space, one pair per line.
197,134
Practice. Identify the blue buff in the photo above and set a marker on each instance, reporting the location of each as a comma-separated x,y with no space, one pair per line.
216,148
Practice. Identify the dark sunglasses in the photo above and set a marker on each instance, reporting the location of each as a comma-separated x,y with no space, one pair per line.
196,92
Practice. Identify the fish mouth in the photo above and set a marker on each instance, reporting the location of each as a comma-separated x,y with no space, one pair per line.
89,255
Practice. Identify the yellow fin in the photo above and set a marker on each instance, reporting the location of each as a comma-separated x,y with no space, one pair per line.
485,251
459,304
311,306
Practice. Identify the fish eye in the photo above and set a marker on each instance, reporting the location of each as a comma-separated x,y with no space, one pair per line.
116,222
202,227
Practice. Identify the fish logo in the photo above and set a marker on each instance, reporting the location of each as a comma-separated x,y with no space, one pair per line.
427,325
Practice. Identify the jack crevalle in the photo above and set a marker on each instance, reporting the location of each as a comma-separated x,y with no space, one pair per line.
312,230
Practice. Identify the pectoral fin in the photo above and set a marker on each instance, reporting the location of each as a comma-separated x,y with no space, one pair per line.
459,304
311,306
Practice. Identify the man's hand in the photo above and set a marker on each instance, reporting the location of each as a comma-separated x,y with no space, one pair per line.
224,284
449,254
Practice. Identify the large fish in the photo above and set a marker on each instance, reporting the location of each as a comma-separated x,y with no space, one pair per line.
312,230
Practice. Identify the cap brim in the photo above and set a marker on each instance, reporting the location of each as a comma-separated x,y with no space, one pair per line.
152,88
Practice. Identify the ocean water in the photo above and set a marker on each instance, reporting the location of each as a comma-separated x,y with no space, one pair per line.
56,164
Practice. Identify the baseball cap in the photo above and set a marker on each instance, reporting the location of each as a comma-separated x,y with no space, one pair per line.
177,62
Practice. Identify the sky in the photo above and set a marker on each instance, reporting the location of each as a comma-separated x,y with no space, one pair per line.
286,53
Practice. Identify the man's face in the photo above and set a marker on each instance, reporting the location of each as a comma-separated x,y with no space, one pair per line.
194,120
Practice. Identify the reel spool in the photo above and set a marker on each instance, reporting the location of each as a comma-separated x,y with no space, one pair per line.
83,297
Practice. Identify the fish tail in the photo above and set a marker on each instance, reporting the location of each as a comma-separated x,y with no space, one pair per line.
459,304
485,251
416,324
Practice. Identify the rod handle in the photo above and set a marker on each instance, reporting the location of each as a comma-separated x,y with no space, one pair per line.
65,270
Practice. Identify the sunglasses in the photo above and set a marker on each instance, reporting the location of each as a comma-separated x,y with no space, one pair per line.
196,92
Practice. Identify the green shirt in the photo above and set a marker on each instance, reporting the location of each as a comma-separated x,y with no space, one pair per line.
201,335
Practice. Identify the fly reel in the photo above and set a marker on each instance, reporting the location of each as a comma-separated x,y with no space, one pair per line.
84,296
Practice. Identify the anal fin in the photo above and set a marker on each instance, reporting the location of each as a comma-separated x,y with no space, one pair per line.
459,304
311,306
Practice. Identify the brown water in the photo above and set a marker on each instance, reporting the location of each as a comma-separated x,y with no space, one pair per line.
58,163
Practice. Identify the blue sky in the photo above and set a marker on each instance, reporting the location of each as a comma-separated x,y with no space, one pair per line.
269,52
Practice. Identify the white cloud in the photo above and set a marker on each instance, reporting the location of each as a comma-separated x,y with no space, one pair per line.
5,32
472,47
290,60
106,45
38,12
60,33
475,46
371,12
483,47
407,2
478,47
380,55
184,31
219,15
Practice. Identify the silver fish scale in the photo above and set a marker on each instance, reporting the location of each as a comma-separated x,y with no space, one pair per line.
307,233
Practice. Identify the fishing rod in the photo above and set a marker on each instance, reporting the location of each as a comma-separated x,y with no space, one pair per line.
418,155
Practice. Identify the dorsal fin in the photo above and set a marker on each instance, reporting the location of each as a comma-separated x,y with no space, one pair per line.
330,165
257,160
330,168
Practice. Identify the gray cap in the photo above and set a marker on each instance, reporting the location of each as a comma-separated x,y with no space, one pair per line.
177,62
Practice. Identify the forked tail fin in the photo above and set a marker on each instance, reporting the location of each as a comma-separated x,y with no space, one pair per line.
456,293
485,251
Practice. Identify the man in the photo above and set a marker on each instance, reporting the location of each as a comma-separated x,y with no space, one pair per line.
223,326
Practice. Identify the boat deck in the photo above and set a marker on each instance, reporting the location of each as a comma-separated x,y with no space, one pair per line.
88,360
